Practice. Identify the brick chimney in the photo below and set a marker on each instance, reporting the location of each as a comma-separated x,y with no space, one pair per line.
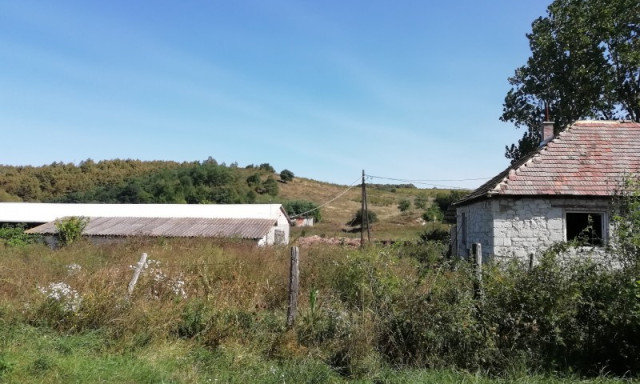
546,132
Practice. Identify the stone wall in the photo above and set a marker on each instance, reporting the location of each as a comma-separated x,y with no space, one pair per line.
528,226
475,225
519,227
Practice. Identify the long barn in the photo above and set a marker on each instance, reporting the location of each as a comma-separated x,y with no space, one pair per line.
266,224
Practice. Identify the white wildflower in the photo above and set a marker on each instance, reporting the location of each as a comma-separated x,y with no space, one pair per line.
63,293
73,268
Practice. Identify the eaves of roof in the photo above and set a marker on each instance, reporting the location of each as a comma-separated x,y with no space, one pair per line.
588,159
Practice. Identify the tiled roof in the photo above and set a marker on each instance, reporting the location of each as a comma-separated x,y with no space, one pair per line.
589,158
169,227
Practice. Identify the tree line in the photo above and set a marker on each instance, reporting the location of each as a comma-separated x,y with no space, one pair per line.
135,181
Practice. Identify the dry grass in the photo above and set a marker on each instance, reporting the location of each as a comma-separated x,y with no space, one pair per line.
392,224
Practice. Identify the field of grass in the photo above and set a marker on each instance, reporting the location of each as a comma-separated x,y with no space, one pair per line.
206,312
392,225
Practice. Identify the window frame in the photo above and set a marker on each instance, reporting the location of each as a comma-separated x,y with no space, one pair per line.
604,224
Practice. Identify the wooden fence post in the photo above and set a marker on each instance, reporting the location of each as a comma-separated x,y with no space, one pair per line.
530,262
294,274
136,274
477,267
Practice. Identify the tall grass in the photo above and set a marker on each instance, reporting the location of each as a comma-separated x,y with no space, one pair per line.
210,310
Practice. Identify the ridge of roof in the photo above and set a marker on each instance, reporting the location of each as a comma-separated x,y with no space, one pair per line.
583,160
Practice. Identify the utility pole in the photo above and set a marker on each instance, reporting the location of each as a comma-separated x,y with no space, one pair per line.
364,210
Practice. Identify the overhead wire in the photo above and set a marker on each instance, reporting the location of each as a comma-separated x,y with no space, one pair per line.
355,183
428,182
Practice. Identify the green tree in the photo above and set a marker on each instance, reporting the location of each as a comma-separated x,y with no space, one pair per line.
286,175
298,207
444,199
267,167
271,186
358,216
584,63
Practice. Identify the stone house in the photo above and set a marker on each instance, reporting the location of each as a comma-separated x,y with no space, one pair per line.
561,191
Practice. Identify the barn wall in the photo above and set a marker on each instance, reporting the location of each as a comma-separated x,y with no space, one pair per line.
282,225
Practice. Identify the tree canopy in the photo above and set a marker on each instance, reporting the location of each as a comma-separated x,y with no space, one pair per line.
584,63
135,181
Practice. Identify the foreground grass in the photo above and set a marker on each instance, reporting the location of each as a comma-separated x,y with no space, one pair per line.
33,355
215,312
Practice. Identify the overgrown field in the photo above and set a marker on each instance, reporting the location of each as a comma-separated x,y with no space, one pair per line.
215,312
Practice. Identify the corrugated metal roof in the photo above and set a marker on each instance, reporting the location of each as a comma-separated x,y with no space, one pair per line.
589,158
45,212
169,227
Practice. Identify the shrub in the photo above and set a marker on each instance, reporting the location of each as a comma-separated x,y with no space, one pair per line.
15,236
404,205
435,234
271,186
70,229
267,167
421,201
372,217
433,214
445,199
297,207
286,175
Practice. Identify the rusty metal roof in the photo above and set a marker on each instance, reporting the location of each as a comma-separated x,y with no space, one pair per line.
589,158
169,227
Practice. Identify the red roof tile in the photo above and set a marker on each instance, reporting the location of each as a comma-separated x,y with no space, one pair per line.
589,158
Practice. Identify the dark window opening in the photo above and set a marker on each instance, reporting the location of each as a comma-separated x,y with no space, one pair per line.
585,227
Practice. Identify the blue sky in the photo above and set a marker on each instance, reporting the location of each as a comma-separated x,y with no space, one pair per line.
404,89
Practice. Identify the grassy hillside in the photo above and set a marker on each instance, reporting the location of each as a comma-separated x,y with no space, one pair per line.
392,224
135,181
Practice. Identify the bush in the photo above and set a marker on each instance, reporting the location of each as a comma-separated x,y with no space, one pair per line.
433,214
286,175
271,186
421,201
70,229
267,167
404,205
357,218
445,199
435,234
297,207
15,236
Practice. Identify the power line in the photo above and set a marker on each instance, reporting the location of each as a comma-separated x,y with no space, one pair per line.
426,180
330,201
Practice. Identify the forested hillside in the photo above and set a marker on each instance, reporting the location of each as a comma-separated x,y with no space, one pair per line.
135,181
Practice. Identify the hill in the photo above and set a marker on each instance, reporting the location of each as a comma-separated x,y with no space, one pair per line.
135,181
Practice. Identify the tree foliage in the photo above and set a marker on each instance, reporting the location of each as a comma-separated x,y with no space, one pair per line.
404,205
299,207
358,218
444,199
70,229
286,175
584,63
135,181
